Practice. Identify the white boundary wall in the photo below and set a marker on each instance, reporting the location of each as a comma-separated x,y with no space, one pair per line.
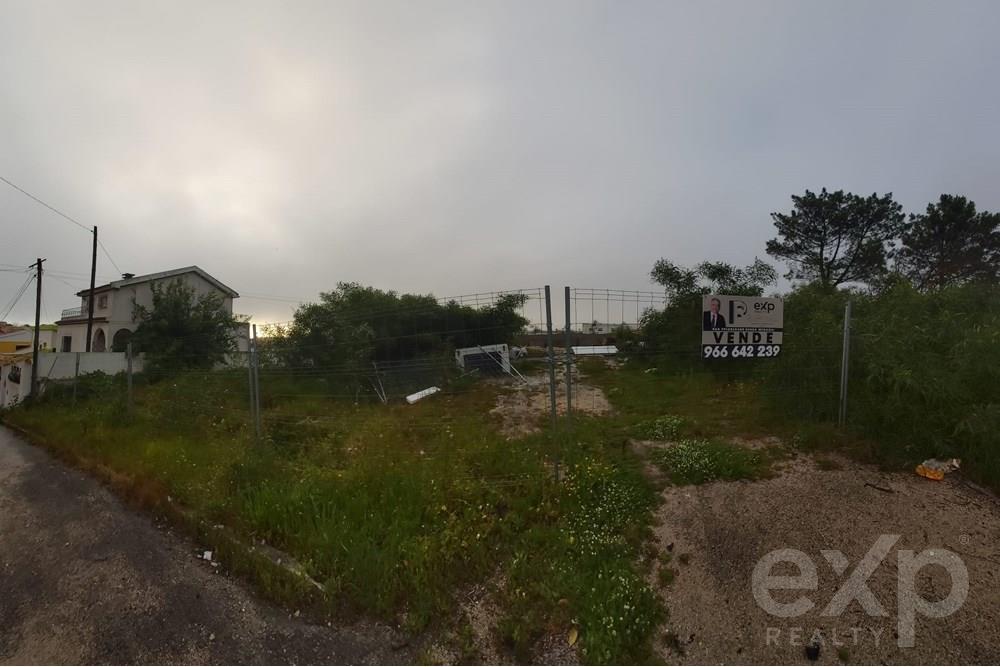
59,366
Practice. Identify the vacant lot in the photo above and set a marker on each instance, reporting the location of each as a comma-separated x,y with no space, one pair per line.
391,511
446,518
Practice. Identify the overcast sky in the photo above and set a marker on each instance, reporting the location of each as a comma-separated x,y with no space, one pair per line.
457,147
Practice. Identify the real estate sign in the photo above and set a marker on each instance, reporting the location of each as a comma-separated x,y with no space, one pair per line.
741,326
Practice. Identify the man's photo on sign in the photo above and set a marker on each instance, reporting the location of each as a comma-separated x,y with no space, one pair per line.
713,319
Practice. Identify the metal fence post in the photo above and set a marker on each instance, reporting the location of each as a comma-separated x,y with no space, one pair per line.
845,361
250,384
256,385
76,375
569,361
552,354
552,369
128,375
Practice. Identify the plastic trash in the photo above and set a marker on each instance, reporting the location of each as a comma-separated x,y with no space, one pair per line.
936,469
423,393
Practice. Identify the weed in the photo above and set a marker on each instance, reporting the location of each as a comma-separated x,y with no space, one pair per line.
700,461
665,576
667,427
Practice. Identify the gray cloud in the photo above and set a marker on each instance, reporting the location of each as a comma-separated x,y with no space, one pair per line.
456,147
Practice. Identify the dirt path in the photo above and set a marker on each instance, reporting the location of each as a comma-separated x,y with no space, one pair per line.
85,580
718,532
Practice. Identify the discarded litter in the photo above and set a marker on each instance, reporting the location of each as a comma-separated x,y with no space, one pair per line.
589,350
423,393
207,556
936,468
812,651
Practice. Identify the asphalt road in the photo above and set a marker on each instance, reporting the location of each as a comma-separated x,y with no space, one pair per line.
84,579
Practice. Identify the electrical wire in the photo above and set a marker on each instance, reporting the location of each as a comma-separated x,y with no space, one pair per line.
17,297
51,208
65,216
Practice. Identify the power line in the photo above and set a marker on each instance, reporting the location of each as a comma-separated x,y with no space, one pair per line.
17,297
108,255
51,208
70,218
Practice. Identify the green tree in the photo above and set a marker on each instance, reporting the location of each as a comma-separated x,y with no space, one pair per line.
713,278
836,237
183,329
353,325
950,244
675,331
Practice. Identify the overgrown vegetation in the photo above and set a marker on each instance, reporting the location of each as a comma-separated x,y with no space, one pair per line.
924,374
393,509
353,326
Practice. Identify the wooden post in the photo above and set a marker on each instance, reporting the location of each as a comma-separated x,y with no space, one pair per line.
38,315
90,299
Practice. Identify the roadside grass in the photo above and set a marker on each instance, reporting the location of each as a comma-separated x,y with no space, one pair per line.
393,509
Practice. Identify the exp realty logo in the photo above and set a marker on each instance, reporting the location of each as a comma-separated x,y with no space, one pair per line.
909,601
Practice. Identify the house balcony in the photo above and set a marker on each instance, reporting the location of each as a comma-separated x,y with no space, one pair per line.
72,313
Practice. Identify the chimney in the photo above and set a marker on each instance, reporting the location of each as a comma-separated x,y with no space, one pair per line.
128,276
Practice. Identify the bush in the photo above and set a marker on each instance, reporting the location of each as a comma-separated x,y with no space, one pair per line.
924,372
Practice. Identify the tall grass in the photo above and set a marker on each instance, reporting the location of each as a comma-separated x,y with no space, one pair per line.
393,509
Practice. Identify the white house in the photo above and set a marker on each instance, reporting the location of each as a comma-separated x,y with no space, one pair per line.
114,306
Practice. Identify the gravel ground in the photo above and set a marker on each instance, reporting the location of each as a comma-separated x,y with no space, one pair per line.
85,580
717,533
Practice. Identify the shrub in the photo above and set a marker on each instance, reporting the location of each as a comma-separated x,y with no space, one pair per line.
924,374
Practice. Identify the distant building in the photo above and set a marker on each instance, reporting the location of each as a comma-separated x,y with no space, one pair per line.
605,328
114,308
19,339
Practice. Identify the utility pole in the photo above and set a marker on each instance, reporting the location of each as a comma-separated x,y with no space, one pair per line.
90,299
38,315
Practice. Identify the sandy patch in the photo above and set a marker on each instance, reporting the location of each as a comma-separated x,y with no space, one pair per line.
524,408
717,533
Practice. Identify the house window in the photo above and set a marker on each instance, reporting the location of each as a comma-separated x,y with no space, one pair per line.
67,344
102,301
